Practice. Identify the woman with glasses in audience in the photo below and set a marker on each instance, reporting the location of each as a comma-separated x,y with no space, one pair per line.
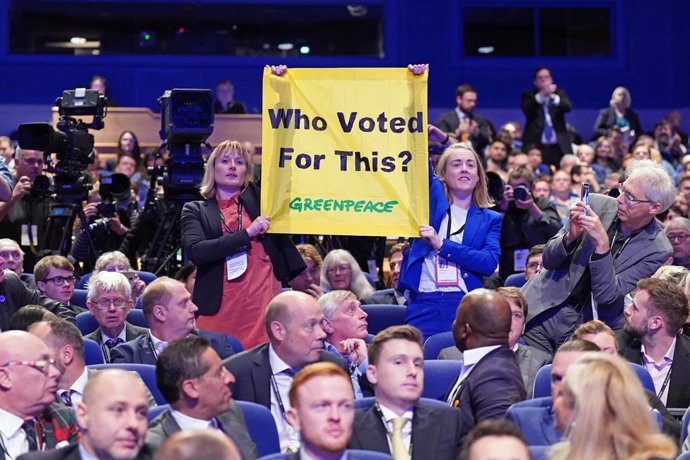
602,409
239,266
458,247
116,261
340,271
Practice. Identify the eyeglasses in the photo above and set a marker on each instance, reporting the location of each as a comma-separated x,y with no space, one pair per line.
60,280
104,304
339,268
681,237
534,265
42,365
119,268
629,199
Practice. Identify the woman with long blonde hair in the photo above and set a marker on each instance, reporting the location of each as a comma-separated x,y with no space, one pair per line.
602,409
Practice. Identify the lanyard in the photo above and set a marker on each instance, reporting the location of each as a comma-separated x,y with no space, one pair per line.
448,233
281,406
666,380
625,243
239,219
389,432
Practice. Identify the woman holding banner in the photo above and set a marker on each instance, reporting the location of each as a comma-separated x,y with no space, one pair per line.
459,247
239,266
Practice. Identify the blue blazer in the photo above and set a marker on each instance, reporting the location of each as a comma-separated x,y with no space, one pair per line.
478,254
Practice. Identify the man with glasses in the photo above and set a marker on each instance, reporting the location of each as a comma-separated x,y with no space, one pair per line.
599,256
109,300
678,233
55,279
14,260
29,417
24,217
534,261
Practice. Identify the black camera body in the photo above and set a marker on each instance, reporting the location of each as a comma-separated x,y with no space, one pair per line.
116,193
72,142
520,193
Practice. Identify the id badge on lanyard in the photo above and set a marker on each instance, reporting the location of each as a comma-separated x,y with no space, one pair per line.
235,264
446,272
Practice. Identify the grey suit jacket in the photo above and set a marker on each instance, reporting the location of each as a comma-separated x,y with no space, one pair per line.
437,430
131,333
611,277
233,425
529,359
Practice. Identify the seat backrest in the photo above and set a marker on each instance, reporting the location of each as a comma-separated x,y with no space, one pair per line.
367,455
146,277
235,344
261,427
439,375
515,280
147,372
437,342
367,402
534,402
684,426
542,382
684,456
86,323
93,353
643,375
382,316
79,297
137,318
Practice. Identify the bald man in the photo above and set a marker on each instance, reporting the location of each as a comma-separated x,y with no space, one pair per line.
264,374
28,381
193,445
112,418
490,379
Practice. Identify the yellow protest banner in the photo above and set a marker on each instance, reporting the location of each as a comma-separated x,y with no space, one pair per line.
344,151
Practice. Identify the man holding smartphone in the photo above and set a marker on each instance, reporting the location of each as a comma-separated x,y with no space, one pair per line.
599,256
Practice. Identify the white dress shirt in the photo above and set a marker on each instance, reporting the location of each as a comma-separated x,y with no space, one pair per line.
389,416
289,437
188,423
659,370
12,435
77,388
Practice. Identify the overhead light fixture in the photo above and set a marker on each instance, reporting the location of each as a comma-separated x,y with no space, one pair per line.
77,40
304,49
486,49
285,46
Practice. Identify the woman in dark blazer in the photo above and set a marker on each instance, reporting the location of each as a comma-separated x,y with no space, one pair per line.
450,258
618,114
239,266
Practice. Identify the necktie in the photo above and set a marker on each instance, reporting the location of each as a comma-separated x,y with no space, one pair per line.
548,126
399,450
112,343
66,397
29,428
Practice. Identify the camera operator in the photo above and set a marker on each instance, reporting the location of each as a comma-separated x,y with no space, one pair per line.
23,217
526,221
108,220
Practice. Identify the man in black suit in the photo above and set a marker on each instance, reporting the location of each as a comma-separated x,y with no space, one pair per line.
264,374
170,314
490,380
399,423
650,337
463,123
529,359
112,420
195,383
545,107
109,300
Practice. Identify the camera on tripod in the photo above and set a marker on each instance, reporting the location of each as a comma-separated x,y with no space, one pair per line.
72,143
116,193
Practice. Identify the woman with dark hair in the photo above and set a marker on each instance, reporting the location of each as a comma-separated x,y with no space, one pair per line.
239,267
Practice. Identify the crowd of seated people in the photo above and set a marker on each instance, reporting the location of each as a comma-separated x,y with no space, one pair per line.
255,318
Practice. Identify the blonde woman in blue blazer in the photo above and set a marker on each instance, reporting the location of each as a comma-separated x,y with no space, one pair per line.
460,245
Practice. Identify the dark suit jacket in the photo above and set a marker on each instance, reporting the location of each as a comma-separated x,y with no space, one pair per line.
131,333
607,119
679,385
232,421
437,430
448,122
14,294
140,350
203,239
493,385
535,121
71,452
252,371
529,359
